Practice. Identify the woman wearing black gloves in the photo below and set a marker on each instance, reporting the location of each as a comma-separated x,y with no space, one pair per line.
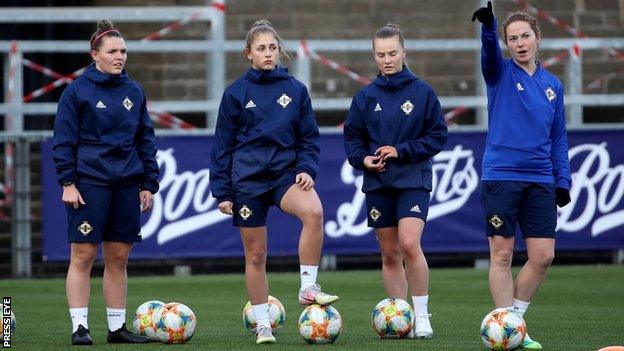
526,170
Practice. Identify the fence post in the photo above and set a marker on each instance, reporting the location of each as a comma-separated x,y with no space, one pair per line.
17,168
215,67
574,86
302,67
20,211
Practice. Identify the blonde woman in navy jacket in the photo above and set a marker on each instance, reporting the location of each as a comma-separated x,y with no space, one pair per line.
266,153
105,156
394,127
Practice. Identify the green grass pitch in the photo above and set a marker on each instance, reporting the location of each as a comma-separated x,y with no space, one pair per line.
578,308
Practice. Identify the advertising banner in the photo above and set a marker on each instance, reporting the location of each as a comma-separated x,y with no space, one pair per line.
185,221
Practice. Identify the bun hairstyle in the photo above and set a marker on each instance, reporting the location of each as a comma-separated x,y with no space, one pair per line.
523,17
388,31
263,26
104,30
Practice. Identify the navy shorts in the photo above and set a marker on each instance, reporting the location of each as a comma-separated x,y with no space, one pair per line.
386,206
531,205
109,214
252,211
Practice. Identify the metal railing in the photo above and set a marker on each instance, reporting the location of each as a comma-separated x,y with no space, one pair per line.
575,99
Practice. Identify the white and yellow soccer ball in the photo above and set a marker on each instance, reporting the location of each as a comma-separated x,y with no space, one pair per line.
175,323
320,324
277,315
502,330
12,325
392,318
143,321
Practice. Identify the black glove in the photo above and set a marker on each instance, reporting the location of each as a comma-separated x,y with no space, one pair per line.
563,196
484,15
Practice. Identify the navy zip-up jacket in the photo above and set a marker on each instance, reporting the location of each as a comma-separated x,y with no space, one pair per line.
265,131
399,110
103,134
527,139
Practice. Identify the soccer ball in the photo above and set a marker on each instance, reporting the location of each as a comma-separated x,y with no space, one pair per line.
277,315
502,330
320,324
175,323
12,321
392,318
143,321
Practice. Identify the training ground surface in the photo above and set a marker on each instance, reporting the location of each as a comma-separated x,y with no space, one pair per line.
578,308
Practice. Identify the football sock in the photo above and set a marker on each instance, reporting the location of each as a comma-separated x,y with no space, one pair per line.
308,276
79,317
420,304
116,318
261,313
520,307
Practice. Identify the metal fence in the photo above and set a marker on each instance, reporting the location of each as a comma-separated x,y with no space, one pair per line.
215,46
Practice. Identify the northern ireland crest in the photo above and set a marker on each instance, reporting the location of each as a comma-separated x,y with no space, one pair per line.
407,107
127,103
245,212
284,100
85,228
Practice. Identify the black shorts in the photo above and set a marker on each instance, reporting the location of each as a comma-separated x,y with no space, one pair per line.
109,214
386,206
252,211
531,205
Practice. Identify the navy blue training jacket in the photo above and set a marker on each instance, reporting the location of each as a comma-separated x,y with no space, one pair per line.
103,134
399,110
265,131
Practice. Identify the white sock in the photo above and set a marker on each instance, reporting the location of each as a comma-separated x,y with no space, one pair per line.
520,307
261,313
420,305
116,318
79,316
308,276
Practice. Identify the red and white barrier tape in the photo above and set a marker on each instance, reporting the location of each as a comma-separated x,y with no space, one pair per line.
555,59
603,80
305,50
161,117
218,4
545,15
448,117
44,70
172,27
152,36
55,84
168,120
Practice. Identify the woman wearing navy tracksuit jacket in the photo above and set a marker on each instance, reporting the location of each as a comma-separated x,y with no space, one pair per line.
526,170
265,153
394,127
105,155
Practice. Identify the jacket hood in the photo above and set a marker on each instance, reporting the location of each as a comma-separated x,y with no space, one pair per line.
102,78
395,81
270,76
